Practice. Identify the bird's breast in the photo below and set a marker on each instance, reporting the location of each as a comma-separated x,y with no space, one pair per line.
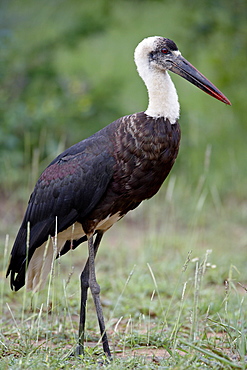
145,151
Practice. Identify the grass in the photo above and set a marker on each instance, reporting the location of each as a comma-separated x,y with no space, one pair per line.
172,289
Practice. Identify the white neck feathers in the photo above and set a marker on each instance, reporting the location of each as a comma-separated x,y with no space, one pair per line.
163,99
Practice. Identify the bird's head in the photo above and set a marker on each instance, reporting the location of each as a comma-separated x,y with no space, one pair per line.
155,55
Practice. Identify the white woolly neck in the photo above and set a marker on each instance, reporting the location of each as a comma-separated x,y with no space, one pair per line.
163,98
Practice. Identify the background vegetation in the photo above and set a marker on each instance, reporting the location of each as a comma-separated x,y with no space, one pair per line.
67,70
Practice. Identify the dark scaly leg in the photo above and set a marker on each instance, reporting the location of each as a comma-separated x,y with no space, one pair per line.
95,290
85,277
84,290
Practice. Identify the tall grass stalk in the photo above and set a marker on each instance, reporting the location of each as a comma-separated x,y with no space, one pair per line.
199,273
2,281
51,292
174,333
24,295
18,330
126,332
123,290
177,286
156,286
149,318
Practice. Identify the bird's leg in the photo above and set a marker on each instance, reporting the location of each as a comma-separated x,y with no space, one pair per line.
95,290
84,290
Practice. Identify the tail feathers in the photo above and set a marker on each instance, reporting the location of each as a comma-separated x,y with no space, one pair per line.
17,280
38,268
25,245
41,264
17,264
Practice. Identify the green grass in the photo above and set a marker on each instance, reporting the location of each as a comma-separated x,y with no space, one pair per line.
172,278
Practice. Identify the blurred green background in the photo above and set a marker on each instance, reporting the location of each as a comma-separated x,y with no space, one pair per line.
67,70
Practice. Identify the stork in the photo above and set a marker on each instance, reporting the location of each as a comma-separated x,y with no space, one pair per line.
94,183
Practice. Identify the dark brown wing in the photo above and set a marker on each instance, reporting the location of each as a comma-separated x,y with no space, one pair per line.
67,190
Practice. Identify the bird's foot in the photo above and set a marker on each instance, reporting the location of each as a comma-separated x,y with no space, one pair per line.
78,351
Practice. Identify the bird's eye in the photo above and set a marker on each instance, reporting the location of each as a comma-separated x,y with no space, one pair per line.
164,51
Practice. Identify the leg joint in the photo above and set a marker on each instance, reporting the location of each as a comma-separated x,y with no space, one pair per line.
94,287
